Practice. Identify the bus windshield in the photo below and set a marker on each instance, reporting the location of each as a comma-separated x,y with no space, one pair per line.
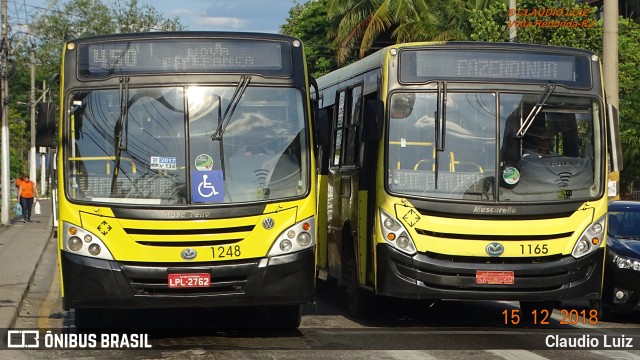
482,158
156,145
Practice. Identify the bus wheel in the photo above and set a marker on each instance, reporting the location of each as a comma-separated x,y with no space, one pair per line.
599,307
360,302
283,317
537,311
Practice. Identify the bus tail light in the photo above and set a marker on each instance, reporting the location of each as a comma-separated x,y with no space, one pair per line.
395,234
79,241
298,237
590,239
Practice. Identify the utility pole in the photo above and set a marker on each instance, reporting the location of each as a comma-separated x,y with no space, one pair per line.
4,93
610,68
512,20
32,105
43,168
610,52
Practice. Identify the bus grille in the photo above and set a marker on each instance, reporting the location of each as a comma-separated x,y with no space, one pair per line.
189,237
227,278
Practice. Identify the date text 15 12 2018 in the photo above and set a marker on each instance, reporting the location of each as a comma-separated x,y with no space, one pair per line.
543,316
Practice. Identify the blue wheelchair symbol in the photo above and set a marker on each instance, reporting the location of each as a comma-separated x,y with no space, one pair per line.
207,186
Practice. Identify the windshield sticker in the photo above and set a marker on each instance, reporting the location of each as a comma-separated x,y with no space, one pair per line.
204,162
207,186
511,175
163,163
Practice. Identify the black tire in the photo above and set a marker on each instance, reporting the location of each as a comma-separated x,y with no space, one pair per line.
283,317
598,305
360,303
537,311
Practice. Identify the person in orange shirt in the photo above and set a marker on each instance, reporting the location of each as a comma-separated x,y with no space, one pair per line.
19,181
26,195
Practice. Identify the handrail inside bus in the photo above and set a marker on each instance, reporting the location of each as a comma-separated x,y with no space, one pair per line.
97,158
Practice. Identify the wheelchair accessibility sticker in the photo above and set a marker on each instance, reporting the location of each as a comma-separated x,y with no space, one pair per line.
207,186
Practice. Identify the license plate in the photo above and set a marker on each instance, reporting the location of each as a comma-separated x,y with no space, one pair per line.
195,280
494,277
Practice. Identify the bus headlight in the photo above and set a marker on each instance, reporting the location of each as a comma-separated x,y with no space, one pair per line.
395,234
298,237
590,239
74,243
79,241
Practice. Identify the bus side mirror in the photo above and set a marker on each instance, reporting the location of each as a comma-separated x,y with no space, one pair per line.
615,146
45,124
373,119
322,127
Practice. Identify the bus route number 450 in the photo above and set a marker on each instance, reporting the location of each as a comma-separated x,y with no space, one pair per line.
191,280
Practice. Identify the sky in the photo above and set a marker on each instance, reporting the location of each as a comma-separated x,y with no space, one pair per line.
227,15
197,15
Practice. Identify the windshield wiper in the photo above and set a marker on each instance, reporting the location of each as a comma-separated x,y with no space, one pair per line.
233,103
441,124
118,131
224,121
535,110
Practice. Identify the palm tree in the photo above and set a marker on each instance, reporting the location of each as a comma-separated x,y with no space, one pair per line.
363,23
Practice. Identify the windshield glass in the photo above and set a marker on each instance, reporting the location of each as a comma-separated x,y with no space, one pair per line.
165,150
553,161
624,223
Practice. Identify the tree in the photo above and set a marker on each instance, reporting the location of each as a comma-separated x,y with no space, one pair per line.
364,23
310,24
582,31
629,82
490,24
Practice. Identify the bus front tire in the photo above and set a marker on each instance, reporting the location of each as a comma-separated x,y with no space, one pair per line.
360,302
283,317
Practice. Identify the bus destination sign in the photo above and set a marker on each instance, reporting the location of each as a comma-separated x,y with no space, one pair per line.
105,59
426,65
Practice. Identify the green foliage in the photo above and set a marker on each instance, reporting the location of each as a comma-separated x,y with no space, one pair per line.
629,82
489,24
309,23
577,26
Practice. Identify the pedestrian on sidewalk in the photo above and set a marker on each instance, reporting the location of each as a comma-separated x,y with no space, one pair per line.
19,181
26,195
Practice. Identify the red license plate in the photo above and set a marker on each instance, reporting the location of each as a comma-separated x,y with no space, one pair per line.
195,280
494,277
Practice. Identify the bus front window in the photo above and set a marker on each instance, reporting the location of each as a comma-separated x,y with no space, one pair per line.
464,165
554,158
552,161
127,146
138,150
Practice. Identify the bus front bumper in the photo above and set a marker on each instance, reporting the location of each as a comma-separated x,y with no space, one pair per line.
96,283
424,277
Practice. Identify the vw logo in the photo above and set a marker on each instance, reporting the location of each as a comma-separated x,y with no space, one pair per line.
268,223
188,254
494,249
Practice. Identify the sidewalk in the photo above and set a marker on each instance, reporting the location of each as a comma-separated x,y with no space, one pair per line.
21,246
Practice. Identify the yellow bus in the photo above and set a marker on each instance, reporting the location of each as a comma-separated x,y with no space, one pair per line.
186,175
465,171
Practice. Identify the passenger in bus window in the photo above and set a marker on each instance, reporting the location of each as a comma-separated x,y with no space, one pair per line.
537,141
